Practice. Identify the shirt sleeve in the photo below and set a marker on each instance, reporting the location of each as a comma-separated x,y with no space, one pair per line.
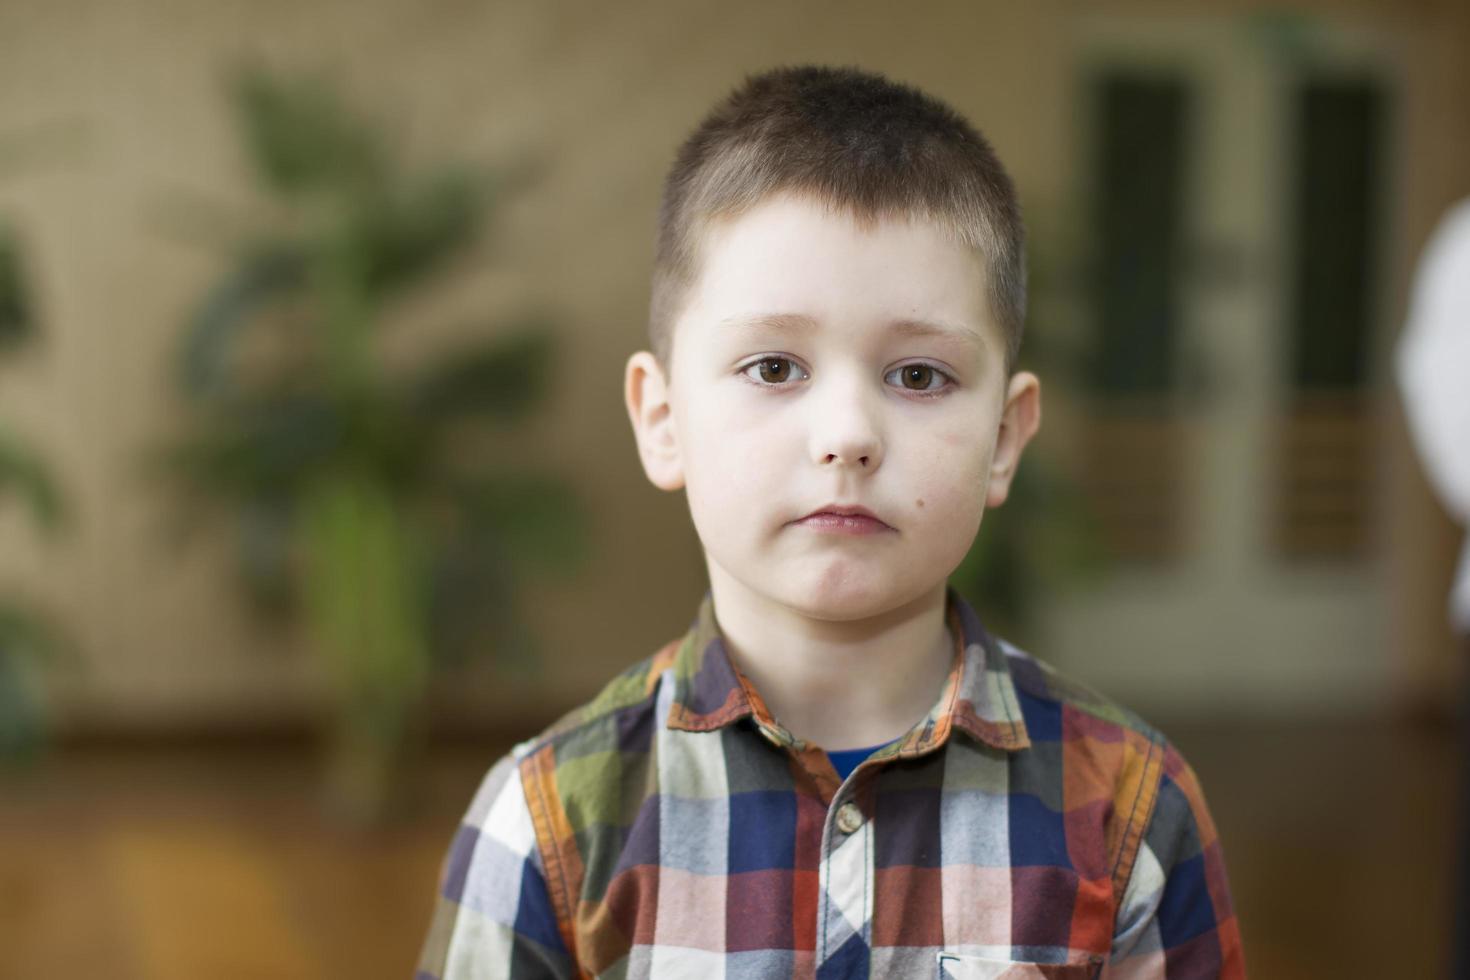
493,917
1176,920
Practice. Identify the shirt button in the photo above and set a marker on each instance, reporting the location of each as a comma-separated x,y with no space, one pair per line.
849,817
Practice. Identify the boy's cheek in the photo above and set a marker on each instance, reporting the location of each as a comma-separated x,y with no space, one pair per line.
952,508
963,448
730,487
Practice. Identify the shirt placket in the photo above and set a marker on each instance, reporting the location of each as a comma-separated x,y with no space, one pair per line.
846,875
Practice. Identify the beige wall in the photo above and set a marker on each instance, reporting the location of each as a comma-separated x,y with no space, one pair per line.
602,93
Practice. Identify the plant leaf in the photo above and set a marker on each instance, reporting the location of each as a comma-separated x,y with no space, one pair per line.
265,446
27,634
506,525
502,380
405,239
17,321
22,470
266,274
300,136
265,532
471,595
538,520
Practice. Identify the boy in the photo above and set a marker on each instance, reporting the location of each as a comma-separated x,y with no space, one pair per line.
836,772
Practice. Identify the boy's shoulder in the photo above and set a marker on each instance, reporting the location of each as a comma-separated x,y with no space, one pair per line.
624,704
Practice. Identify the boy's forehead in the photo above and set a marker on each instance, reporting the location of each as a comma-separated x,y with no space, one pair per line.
781,265
801,324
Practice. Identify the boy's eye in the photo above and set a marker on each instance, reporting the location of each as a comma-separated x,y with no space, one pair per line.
919,377
773,370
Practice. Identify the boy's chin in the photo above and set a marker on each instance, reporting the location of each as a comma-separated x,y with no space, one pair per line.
846,601
828,593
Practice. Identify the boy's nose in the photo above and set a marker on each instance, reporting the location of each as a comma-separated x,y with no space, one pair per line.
862,461
846,435
862,453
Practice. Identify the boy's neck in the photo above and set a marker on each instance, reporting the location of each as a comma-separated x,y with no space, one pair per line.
838,685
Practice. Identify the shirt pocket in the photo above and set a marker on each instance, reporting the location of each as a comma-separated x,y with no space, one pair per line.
954,966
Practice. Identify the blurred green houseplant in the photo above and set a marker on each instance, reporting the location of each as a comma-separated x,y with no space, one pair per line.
362,500
27,638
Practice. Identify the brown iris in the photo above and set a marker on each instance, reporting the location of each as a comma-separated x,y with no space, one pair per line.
775,370
920,374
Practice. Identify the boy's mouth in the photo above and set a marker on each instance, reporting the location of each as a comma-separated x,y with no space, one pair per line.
844,519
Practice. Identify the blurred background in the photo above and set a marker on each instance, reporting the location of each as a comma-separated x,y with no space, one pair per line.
317,492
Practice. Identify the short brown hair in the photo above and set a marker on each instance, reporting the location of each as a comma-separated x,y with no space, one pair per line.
853,140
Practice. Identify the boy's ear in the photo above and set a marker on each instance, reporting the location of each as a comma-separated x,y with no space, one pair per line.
1019,420
646,391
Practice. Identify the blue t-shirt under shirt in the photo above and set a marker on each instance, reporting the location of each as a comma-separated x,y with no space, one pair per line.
846,760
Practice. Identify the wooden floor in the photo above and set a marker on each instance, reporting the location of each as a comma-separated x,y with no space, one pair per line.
158,863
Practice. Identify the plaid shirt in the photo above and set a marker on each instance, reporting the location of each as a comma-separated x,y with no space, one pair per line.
672,828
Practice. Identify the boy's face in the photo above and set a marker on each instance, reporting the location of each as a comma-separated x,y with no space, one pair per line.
817,363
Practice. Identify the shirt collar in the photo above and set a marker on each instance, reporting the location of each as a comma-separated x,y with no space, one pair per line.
979,697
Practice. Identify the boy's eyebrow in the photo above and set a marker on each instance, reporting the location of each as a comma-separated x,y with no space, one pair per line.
801,323
927,328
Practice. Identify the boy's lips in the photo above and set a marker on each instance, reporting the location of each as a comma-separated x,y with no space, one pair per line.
846,518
